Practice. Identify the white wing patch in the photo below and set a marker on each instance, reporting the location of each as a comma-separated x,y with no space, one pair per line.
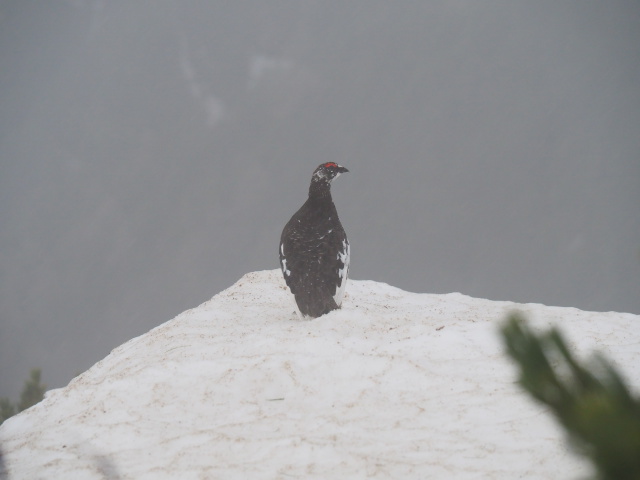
343,273
286,271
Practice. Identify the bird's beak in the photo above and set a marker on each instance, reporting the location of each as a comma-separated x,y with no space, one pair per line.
342,169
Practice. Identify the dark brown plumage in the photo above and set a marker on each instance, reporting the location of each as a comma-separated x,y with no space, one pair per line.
314,249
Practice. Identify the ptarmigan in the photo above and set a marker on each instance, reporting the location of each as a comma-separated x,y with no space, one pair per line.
314,250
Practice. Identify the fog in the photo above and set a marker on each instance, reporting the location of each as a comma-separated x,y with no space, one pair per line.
151,152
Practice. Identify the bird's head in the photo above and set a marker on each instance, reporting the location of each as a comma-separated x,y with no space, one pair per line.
321,180
327,172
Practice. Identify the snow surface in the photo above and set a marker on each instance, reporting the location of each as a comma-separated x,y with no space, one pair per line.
394,385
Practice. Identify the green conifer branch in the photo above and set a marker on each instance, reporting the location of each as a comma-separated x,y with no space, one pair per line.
590,400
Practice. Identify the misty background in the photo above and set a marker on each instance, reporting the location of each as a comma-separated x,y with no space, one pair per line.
152,150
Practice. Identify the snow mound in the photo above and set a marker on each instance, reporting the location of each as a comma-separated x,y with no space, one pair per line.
393,385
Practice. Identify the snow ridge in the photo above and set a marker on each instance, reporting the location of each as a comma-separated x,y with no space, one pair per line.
393,385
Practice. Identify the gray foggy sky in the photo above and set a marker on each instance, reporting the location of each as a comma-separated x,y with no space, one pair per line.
152,151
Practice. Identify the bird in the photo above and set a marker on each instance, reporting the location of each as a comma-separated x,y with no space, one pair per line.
314,249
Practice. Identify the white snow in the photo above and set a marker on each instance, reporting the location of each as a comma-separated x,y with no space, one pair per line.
395,385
